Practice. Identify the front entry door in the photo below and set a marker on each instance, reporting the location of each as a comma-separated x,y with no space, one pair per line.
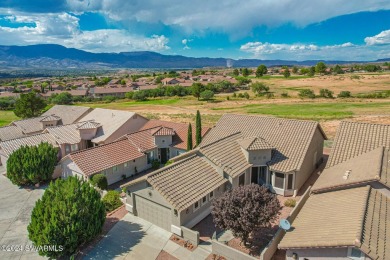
255,175
164,155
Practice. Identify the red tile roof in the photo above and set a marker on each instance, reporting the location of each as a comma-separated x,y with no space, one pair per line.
97,159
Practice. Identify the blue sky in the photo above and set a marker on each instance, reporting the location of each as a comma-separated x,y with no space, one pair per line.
266,29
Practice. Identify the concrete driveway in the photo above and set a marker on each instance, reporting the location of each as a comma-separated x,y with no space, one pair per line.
131,238
16,205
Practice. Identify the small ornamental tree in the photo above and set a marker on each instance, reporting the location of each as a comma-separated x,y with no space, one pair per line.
69,214
207,95
245,208
198,134
32,164
29,105
100,181
259,88
189,138
111,200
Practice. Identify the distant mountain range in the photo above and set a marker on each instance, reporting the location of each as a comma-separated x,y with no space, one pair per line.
51,56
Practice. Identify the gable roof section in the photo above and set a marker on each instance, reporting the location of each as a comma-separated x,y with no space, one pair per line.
356,217
65,134
68,114
163,131
254,143
226,153
375,236
110,121
364,168
353,139
185,182
10,146
10,132
30,125
179,140
142,139
50,118
88,125
332,219
290,138
97,159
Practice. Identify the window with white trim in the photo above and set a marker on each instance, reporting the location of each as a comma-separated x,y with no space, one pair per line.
204,200
74,147
126,165
115,168
355,254
196,205
211,195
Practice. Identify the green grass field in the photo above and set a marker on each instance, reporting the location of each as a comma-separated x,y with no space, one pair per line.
312,111
6,117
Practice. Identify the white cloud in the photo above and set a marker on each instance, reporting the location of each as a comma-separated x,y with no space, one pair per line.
381,38
64,29
185,43
345,51
230,16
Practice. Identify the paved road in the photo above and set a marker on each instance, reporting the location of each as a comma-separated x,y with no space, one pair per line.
16,205
131,238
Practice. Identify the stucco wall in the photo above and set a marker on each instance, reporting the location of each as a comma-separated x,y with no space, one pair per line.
115,176
257,157
130,126
235,181
229,253
308,165
163,141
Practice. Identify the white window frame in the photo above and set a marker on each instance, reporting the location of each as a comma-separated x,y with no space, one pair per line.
115,169
126,165
74,149
211,195
204,202
349,255
196,208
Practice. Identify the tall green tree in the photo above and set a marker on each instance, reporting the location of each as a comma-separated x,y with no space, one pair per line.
32,164
29,105
198,134
236,72
312,71
261,70
197,88
189,138
69,214
320,67
245,72
286,72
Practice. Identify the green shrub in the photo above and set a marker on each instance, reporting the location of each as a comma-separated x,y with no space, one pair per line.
240,95
326,93
69,214
246,95
344,94
306,93
168,163
227,98
155,164
32,164
290,203
269,95
109,99
100,181
284,95
112,200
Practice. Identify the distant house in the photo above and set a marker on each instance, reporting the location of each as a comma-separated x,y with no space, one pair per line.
73,92
170,81
239,150
347,215
98,92
132,153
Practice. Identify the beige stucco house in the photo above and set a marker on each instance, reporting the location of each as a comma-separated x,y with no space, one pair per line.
347,214
239,150
130,154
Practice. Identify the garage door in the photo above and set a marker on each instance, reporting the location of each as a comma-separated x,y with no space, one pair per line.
153,212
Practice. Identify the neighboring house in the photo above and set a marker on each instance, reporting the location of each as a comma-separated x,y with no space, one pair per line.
347,216
57,115
9,146
239,150
162,141
10,132
116,160
114,124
